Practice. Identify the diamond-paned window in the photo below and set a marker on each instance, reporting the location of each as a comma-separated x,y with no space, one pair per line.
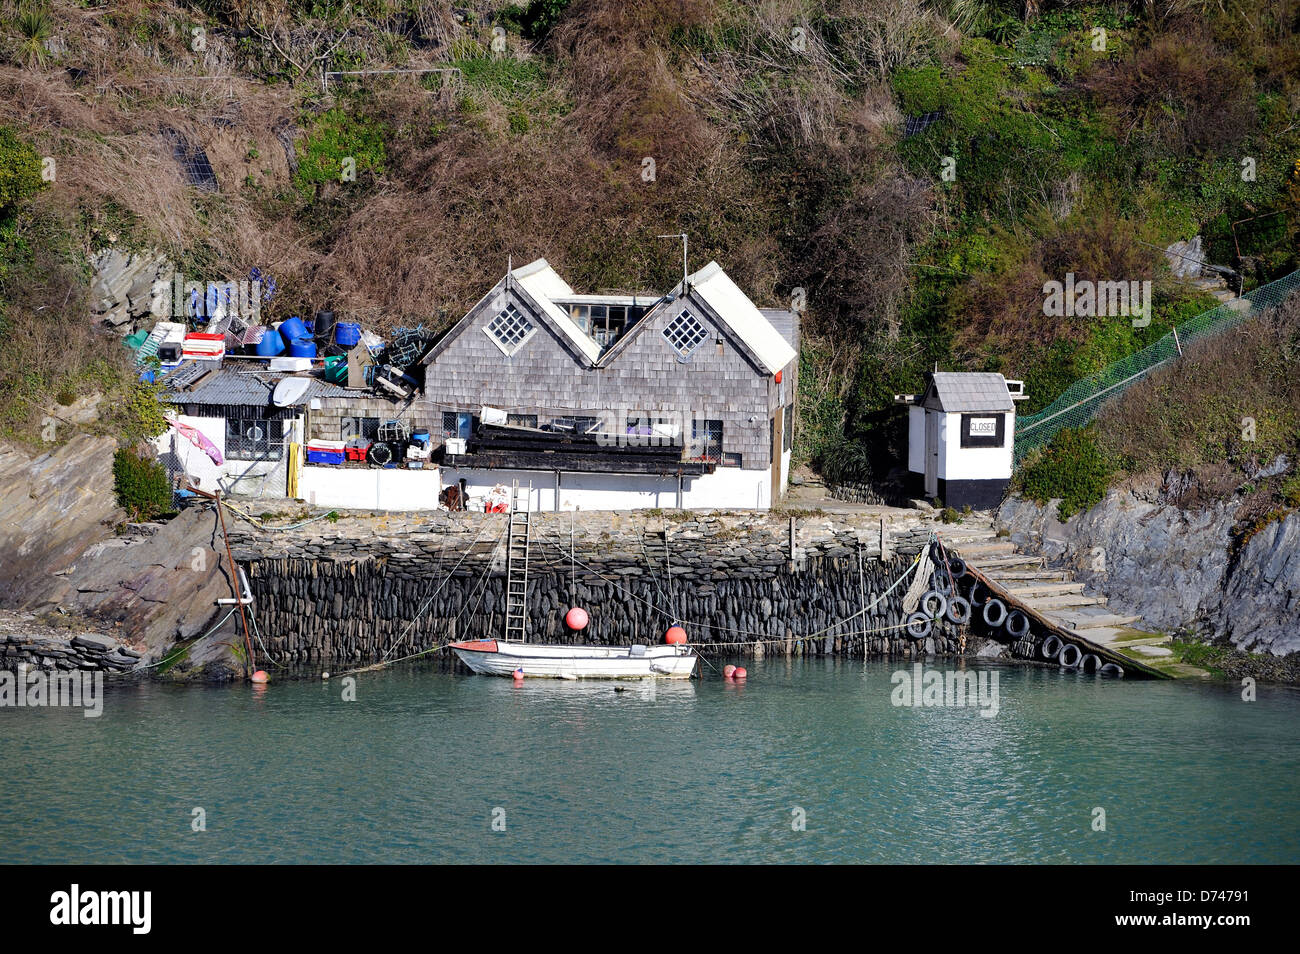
685,334
509,330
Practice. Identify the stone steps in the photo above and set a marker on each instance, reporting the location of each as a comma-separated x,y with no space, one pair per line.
1012,576
1065,602
1097,620
1060,588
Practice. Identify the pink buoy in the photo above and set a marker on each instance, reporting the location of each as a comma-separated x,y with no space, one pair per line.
261,676
739,674
519,675
728,672
676,636
576,618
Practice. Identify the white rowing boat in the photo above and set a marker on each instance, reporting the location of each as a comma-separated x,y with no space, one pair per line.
497,657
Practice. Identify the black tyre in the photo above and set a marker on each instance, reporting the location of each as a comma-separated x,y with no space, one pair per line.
940,583
1070,656
957,567
918,626
1112,669
995,612
1051,647
959,610
979,594
1090,663
934,604
1017,624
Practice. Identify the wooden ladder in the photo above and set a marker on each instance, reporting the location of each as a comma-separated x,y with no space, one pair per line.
517,548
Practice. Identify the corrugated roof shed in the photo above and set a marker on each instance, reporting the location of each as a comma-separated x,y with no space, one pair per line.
963,391
228,387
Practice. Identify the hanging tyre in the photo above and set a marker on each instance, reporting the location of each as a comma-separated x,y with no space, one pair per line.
979,594
1070,656
918,626
934,604
1090,663
1017,624
959,610
940,583
1112,669
995,612
1051,647
957,567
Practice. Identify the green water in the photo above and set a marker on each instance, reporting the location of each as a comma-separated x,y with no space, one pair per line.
413,770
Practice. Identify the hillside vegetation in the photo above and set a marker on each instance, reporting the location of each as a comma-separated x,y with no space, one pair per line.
780,142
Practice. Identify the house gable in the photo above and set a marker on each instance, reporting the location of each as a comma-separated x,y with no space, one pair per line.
507,298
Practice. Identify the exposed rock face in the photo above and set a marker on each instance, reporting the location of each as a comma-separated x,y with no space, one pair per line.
121,291
1172,566
59,550
1186,259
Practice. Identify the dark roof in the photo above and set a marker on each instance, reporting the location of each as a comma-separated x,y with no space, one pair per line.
785,322
957,391
245,389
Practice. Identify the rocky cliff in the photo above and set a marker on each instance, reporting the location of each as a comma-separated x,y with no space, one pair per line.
1176,567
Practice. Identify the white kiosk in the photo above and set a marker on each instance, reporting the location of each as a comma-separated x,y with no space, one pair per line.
960,433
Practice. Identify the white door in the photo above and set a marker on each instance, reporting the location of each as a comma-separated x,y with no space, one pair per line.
931,454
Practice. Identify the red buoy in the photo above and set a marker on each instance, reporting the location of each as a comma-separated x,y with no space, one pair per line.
518,674
260,676
739,674
777,376
728,671
576,618
676,636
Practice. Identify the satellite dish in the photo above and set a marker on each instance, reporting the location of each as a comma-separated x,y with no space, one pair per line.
290,391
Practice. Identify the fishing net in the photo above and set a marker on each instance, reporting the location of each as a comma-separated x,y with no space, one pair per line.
1079,403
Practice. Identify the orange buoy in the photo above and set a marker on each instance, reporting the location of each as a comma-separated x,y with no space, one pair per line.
261,676
518,674
739,674
576,618
728,671
676,636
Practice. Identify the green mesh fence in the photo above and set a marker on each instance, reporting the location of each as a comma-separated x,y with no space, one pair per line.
1080,402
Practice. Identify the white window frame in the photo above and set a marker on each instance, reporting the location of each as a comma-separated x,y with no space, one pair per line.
704,336
505,349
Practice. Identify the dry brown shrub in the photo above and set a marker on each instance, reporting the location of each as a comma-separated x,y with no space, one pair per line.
1180,93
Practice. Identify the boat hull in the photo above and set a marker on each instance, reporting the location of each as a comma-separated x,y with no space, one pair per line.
495,657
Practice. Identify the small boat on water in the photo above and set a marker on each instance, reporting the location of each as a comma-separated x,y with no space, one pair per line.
497,657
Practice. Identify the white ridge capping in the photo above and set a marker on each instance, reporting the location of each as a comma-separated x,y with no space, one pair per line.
746,321
543,283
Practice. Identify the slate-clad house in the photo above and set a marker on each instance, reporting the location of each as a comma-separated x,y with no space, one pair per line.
686,399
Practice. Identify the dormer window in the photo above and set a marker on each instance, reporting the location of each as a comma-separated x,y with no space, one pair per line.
685,334
509,330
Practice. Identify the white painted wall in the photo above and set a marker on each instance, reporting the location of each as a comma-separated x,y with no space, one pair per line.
241,477
726,488
916,439
370,488
974,463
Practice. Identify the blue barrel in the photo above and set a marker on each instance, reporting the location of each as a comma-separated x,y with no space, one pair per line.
304,347
347,334
292,329
270,345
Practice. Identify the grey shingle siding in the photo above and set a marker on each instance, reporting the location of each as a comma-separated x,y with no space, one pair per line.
546,377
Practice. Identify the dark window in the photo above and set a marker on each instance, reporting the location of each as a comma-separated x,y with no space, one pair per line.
983,430
251,439
366,428
788,441
457,424
575,425
706,440
521,420
730,460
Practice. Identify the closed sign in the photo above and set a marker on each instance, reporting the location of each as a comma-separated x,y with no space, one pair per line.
983,430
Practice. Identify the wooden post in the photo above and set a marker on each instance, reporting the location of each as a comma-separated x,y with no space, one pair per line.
884,542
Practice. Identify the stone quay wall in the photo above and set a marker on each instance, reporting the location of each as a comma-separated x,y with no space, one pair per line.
370,587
